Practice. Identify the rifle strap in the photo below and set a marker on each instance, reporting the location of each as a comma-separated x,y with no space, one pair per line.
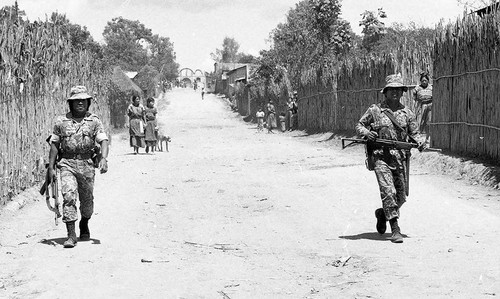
396,124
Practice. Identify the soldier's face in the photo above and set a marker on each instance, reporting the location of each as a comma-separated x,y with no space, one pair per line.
393,94
80,106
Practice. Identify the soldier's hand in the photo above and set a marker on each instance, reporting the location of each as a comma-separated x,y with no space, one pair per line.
51,175
103,165
422,146
371,135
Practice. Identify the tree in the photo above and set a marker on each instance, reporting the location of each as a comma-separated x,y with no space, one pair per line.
162,57
126,43
147,78
373,28
246,58
312,37
330,30
79,36
229,51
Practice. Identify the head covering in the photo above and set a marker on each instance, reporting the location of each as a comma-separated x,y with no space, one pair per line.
79,92
424,75
394,81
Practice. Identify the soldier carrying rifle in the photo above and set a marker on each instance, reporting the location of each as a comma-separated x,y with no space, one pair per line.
390,120
73,141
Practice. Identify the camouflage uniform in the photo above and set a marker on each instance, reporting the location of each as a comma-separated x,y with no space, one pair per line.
389,162
77,143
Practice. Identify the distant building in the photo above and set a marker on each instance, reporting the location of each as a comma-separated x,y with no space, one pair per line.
237,84
220,72
238,75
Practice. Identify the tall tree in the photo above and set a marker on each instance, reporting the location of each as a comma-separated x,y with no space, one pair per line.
80,37
228,52
147,79
126,43
162,57
312,37
373,28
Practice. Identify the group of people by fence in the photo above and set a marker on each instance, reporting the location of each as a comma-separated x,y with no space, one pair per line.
269,120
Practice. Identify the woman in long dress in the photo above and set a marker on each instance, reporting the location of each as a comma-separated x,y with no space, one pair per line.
135,114
271,117
423,98
151,125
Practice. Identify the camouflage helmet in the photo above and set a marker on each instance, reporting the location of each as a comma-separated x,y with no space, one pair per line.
79,92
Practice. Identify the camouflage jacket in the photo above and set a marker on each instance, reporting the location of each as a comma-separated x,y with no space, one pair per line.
78,137
374,119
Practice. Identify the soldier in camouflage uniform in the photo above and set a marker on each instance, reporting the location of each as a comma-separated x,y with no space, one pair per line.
389,162
74,140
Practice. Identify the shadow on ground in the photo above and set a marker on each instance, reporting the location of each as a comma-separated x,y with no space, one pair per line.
60,241
370,236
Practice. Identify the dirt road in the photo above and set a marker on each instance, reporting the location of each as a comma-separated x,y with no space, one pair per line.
232,213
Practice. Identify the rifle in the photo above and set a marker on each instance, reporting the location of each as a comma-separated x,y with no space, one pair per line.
48,188
401,145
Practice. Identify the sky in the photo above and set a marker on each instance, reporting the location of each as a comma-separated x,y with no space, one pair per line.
198,27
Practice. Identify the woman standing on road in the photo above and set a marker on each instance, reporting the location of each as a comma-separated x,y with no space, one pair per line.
151,125
423,97
271,117
135,114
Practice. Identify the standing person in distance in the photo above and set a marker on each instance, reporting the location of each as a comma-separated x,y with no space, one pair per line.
390,120
260,119
74,139
292,112
151,125
271,117
137,122
422,95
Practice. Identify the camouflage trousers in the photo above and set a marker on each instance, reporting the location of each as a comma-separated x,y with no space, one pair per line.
77,183
391,182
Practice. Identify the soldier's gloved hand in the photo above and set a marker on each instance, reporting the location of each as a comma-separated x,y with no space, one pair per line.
421,146
371,135
103,165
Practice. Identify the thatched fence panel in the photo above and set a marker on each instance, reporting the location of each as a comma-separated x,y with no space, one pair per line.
338,105
466,116
37,69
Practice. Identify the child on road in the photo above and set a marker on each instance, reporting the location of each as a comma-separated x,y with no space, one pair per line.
260,120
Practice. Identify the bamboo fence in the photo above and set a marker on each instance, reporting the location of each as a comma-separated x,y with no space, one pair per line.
466,109
37,69
338,104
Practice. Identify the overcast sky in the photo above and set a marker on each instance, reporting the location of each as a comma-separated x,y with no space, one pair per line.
197,27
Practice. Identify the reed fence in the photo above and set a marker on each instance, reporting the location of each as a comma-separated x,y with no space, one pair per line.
37,70
466,109
338,104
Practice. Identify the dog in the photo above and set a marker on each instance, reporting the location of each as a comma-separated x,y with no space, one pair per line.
162,138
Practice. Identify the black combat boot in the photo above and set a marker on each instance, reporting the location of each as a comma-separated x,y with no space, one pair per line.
381,221
396,236
71,241
84,229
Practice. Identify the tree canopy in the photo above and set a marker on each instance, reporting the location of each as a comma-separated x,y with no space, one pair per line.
228,52
125,43
312,37
80,37
134,47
